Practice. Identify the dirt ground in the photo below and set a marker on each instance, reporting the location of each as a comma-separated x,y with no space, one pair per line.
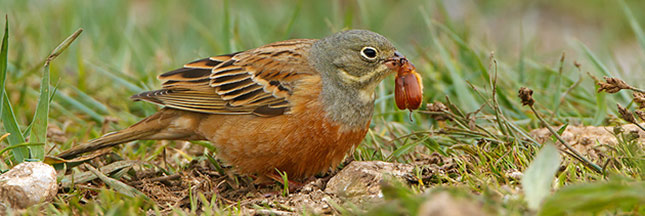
592,141
357,184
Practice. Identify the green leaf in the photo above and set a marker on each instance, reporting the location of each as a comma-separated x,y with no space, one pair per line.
90,101
595,197
563,128
539,176
595,60
117,77
405,149
226,28
11,125
70,102
638,31
560,131
117,185
79,178
20,145
6,111
465,97
39,124
601,104
4,48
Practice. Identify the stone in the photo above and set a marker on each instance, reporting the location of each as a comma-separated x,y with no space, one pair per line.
27,184
360,181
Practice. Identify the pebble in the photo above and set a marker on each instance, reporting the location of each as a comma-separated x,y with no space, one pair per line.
27,184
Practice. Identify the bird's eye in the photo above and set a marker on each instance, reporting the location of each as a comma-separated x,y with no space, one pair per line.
369,53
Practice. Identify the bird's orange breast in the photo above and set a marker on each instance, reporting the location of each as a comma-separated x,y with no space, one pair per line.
301,143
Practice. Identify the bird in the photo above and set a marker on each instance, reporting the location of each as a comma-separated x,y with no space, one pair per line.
296,106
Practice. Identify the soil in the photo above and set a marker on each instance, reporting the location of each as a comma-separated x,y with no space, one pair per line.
357,184
591,141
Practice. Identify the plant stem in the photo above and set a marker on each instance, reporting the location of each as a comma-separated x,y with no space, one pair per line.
575,152
639,126
636,89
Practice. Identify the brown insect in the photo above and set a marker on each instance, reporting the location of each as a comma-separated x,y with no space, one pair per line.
408,88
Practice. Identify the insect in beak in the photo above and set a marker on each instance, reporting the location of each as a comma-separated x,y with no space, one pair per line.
408,88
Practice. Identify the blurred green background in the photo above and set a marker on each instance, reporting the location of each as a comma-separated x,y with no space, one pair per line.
127,43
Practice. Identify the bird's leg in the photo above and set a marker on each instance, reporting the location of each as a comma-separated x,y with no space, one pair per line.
293,185
262,180
269,179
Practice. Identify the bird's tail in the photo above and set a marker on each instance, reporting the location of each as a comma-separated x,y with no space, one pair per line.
145,129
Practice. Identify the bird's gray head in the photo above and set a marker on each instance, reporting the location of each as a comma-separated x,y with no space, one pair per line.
351,64
354,58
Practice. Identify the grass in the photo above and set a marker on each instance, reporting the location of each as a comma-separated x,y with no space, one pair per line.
8,117
473,57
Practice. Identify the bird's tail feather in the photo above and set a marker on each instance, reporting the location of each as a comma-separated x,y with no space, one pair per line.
140,130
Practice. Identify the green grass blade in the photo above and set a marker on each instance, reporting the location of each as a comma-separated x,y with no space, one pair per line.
539,176
585,199
3,60
601,101
90,101
463,45
7,115
11,126
62,46
73,103
226,27
594,59
117,77
405,149
20,145
638,31
39,124
117,185
464,97
602,68
292,19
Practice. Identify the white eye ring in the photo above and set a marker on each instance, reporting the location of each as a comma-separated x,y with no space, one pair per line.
369,53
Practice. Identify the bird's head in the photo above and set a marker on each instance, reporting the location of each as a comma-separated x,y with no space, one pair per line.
351,64
355,59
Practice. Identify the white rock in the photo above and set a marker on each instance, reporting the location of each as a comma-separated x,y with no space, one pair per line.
515,175
27,184
359,182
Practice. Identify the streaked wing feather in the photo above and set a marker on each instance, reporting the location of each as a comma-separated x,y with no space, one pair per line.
258,81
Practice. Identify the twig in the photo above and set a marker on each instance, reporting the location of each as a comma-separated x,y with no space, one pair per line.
628,116
526,95
639,126
564,95
636,89
575,152
493,85
272,212
162,178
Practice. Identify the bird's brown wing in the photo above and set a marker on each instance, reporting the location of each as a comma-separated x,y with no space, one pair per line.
258,81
